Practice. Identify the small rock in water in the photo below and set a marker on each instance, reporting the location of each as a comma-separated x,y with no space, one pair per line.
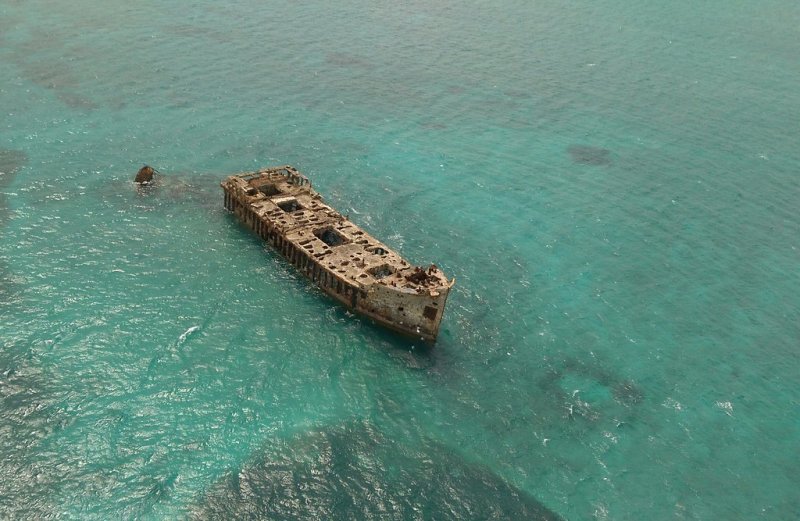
145,175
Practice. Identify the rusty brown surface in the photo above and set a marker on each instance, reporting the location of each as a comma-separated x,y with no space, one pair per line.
145,175
345,261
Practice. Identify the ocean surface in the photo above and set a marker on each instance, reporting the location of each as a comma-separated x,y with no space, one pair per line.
614,186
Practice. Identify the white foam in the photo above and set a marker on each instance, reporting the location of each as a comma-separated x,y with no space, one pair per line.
186,334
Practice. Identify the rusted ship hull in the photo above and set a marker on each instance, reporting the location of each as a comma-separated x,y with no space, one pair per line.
347,263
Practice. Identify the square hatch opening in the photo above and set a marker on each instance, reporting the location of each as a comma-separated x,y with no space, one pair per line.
381,272
269,189
330,237
289,205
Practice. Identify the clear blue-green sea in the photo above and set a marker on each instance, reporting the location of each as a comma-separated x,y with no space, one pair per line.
615,187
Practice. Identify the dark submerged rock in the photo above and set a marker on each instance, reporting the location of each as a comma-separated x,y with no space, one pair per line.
586,155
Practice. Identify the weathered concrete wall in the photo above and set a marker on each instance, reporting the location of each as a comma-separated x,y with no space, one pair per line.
406,311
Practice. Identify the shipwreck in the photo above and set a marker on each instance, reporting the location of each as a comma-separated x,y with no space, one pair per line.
343,260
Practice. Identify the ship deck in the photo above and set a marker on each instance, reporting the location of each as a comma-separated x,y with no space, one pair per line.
284,199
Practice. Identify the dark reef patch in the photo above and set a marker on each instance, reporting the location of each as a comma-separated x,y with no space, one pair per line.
627,394
586,155
591,392
11,161
433,125
76,101
343,59
30,413
353,471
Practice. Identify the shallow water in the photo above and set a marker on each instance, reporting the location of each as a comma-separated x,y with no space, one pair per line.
613,187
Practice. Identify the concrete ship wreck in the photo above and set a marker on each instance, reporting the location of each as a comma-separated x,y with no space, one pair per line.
347,263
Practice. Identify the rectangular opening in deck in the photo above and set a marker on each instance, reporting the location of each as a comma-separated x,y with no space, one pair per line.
330,237
381,272
269,189
289,205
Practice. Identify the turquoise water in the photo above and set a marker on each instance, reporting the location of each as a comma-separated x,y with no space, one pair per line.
614,187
